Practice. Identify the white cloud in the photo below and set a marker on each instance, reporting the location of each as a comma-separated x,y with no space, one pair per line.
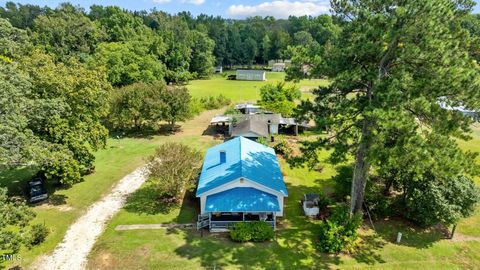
280,9
195,2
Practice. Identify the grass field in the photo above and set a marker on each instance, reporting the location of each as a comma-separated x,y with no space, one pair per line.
293,247
243,90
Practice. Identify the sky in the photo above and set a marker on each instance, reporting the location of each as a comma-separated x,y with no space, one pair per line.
227,8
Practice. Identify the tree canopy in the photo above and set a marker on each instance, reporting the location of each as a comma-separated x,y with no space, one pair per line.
393,66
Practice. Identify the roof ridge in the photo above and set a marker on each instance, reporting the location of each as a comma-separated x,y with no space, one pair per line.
240,138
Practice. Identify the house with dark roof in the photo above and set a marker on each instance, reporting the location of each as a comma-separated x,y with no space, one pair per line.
253,126
240,181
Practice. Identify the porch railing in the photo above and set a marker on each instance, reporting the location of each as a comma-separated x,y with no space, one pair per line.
229,224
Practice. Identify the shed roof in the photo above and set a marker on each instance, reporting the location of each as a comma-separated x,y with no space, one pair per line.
220,119
251,71
244,158
251,126
242,199
274,118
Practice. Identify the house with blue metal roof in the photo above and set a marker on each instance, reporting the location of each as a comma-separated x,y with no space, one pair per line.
240,181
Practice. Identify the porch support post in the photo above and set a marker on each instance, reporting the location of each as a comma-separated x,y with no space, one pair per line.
209,221
274,221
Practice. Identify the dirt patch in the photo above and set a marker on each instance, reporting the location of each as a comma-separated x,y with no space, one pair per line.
458,237
104,260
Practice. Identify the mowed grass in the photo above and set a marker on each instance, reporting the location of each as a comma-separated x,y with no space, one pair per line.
243,90
292,248
120,157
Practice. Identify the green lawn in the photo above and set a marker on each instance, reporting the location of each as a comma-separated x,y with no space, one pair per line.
293,247
242,90
120,157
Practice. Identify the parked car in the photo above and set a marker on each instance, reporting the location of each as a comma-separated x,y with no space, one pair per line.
36,190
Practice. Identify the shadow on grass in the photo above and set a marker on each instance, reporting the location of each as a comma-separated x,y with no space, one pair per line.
15,180
146,201
146,133
292,249
412,235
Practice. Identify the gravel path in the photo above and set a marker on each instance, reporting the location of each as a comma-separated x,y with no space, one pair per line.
72,252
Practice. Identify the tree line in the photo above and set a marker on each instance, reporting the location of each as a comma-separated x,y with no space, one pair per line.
69,76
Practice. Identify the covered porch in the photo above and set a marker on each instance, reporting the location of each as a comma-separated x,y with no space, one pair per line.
224,209
224,220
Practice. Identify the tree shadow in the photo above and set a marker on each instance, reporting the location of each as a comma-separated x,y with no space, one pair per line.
57,199
145,200
146,133
189,209
368,250
290,250
412,235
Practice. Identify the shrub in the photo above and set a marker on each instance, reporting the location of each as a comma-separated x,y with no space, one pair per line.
339,231
231,111
256,231
212,103
37,235
283,147
261,231
262,140
173,169
241,232
196,106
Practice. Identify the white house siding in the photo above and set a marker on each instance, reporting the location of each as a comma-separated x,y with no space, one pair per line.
246,183
273,129
250,75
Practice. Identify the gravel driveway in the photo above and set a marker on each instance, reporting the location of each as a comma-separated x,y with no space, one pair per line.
72,252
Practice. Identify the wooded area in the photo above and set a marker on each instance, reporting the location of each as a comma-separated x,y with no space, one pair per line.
70,78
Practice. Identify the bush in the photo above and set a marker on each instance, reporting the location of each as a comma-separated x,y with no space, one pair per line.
196,106
256,231
262,140
283,147
241,232
37,235
339,231
231,111
173,169
213,103
261,231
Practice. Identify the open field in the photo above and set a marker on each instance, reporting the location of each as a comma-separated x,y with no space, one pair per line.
243,90
294,246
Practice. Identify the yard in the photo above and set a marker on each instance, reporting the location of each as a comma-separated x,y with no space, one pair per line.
243,90
293,247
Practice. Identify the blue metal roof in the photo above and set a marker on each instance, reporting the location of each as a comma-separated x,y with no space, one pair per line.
244,158
242,199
